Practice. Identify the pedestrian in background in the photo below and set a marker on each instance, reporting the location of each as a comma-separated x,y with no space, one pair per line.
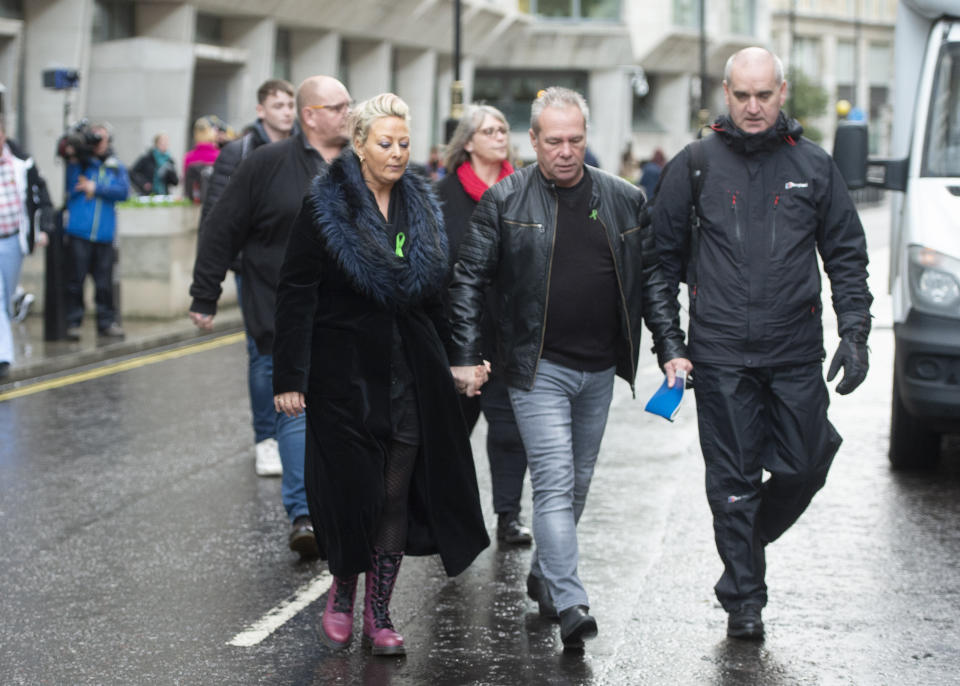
96,181
198,161
477,157
769,201
252,218
574,275
26,214
276,118
359,308
650,173
154,172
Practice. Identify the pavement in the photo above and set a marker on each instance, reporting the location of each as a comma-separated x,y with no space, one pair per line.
38,359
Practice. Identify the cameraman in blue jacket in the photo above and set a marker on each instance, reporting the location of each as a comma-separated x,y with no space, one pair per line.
96,182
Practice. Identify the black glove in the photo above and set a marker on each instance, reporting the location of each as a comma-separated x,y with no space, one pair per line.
853,358
852,353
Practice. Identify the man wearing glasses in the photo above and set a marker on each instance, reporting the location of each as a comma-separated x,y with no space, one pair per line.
252,217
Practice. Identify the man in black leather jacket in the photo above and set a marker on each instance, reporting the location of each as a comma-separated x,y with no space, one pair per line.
574,275
768,201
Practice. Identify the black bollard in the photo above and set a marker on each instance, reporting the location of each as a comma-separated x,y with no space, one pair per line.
54,302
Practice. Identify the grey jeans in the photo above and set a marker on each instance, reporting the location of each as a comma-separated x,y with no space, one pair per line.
561,421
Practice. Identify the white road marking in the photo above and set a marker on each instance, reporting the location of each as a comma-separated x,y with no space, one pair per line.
283,612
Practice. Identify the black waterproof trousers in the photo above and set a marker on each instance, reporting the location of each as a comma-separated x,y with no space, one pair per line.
751,420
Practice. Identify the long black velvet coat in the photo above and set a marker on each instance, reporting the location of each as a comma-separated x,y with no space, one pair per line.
341,288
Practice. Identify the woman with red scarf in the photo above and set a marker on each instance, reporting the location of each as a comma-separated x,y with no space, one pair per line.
476,158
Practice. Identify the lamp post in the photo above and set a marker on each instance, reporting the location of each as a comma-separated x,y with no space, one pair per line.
456,88
792,19
704,114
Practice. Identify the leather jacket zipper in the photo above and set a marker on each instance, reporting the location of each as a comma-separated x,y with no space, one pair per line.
546,297
623,299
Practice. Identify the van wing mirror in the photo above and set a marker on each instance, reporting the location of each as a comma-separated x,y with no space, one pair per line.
850,147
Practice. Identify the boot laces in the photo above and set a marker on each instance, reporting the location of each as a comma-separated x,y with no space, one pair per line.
343,596
382,590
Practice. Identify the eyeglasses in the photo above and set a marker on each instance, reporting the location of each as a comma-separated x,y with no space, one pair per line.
339,109
491,131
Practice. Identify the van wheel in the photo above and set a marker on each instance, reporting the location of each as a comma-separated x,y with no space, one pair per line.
912,444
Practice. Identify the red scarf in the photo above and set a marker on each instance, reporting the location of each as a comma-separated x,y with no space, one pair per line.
473,184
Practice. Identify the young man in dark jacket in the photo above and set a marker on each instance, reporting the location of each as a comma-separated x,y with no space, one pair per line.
276,119
574,276
253,216
769,200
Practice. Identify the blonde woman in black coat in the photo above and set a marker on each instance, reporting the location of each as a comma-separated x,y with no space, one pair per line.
359,329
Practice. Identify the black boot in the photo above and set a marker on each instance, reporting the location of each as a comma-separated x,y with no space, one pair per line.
537,590
576,625
745,622
511,530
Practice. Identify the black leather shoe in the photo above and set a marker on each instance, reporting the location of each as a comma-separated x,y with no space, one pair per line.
745,623
576,625
537,591
302,538
511,530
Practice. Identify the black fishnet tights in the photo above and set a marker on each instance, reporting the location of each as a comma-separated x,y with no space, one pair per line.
392,532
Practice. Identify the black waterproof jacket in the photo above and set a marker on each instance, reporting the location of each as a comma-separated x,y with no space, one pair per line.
768,203
510,244
254,214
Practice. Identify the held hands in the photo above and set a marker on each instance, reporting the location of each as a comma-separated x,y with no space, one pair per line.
468,379
853,357
675,365
291,403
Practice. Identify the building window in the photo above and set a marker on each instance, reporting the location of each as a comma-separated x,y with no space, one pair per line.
742,13
686,13
11,9
605,10
209,29
806,56
643,117
512,92
846,70
281,55
112,20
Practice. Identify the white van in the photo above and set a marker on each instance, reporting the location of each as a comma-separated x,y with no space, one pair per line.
925,225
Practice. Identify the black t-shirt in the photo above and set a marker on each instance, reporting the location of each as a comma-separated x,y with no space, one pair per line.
582,320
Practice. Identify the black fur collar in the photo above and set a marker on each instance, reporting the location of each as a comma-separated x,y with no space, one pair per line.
347,217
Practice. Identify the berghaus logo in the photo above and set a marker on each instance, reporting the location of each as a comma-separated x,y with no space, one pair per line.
794,184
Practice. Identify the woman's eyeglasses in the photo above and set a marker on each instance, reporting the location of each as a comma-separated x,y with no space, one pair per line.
491,131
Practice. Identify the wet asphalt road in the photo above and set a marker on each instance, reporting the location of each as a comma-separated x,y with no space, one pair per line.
136,543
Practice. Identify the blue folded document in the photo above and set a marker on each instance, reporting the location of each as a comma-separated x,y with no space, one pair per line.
666,401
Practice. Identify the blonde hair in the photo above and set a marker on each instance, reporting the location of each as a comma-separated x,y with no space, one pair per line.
377,107
204,131
473,116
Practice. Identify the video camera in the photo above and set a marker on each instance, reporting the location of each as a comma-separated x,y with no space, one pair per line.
80,141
